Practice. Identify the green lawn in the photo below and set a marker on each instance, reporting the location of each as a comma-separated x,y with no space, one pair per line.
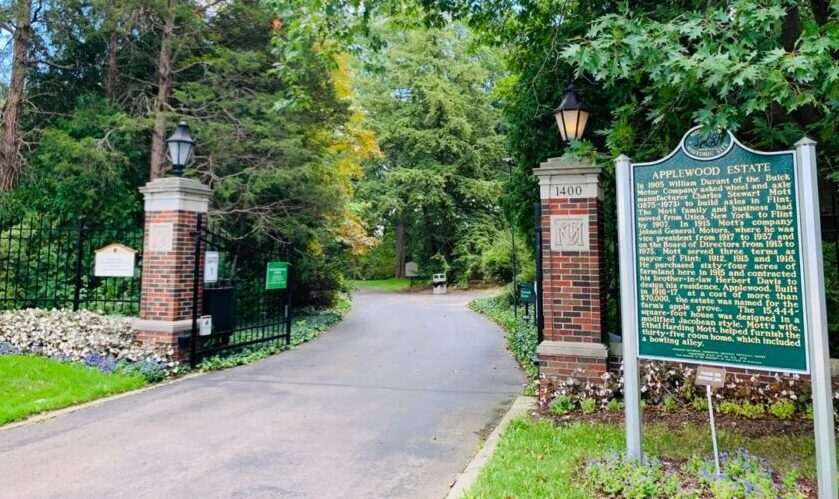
538,459
393,284
31,384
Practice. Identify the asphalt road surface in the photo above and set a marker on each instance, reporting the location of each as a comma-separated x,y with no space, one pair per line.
392,402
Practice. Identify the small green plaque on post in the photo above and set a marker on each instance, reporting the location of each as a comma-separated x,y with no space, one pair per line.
525,292
276,277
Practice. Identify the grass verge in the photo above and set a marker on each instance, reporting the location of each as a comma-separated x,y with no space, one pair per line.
393,284
521,334
30,384
540,459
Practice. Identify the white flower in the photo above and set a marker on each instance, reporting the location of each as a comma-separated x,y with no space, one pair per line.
74,335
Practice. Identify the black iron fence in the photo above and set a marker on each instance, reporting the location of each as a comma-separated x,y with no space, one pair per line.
45,265
248,308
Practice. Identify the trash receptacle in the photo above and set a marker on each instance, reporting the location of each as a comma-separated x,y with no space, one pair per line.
439,284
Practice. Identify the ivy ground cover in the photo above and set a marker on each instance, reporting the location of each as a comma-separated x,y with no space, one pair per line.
32,384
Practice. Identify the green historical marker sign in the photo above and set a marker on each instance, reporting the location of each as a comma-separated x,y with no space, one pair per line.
525,290
276,275
718,258
715,241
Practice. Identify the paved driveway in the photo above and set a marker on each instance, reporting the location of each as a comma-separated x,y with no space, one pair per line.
390,403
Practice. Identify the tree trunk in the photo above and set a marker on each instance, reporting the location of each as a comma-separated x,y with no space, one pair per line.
399,238
821,11
791,28
10,141
111,76
164,91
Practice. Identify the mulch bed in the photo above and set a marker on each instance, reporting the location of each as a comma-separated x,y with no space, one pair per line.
752,428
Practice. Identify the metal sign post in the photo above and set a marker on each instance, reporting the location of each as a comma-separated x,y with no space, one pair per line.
713,428
819,356
712,377
629,321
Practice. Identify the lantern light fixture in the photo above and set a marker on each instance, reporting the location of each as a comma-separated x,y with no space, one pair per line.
571,115
180,147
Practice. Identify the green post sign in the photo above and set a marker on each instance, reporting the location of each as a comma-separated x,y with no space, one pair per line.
525,290
718,269
276,276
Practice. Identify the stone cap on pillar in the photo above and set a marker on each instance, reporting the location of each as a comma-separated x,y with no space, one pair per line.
176,194
568,178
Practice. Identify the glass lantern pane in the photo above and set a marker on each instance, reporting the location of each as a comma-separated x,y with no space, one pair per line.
570,118
184,153
172,151
581,124
561,125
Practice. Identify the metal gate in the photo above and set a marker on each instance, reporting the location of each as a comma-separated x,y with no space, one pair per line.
48,265
243,311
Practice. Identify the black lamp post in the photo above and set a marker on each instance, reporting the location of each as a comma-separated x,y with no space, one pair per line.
571,115
180,146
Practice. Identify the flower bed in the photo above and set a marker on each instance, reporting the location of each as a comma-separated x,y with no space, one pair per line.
783,396
741,475
101,341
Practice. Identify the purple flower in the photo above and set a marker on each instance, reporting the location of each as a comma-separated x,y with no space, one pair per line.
103,363
6,348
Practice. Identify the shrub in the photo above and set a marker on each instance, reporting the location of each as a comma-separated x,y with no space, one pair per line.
700,404
562,405
752,411
746,409
783,409
588,406
670,404
614,405
727,407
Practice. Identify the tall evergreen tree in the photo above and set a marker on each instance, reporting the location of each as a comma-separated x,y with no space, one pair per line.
437,186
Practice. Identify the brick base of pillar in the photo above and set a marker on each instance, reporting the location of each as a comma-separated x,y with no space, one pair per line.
174,208
583,361
163,341
164,335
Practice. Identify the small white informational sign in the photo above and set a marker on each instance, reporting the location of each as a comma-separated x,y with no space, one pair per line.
115,260
411,269
211,259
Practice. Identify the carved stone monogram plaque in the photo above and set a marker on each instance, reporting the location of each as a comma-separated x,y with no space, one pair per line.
569,233
160,237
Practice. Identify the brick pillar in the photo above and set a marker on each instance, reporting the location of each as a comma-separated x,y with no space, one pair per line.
172,207
573,267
